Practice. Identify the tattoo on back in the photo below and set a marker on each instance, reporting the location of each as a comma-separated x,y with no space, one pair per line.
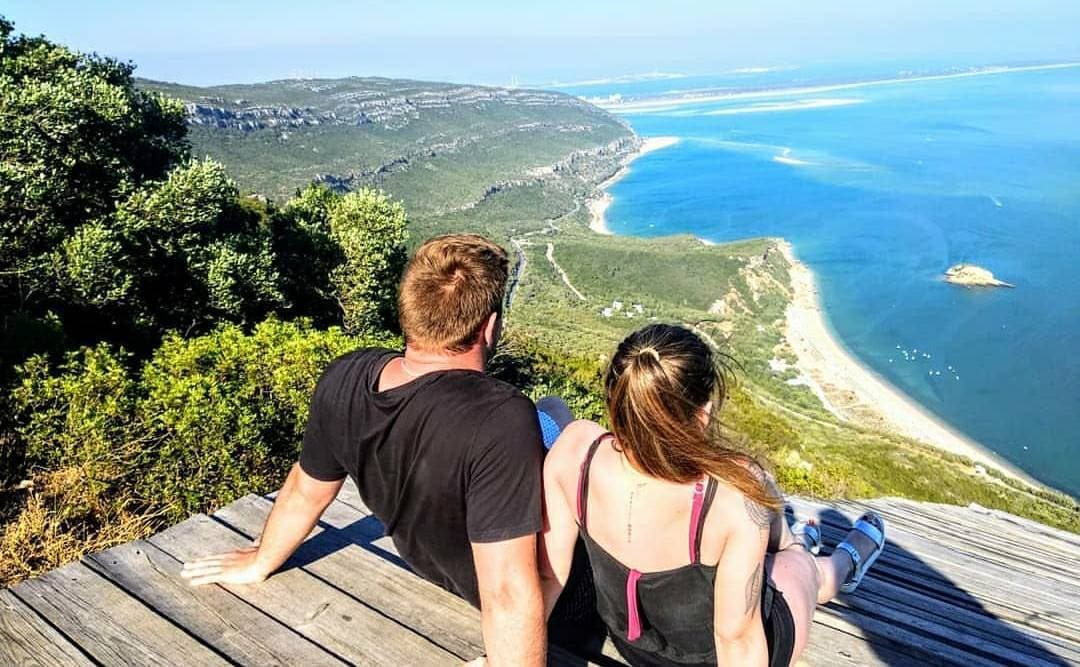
753,588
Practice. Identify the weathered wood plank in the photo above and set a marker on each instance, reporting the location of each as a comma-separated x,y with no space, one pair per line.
1007,645
922,650
980,624
967,533
108,624
310,606
831,647
969,583
26,640
234,628
920,564
350,515
341,557
967,530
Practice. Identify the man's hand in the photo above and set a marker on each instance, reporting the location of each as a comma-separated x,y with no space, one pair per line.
235,567
297,508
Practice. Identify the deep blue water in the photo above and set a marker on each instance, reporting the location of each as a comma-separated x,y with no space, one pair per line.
881,193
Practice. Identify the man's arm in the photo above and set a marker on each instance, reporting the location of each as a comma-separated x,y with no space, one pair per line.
511,604
299,504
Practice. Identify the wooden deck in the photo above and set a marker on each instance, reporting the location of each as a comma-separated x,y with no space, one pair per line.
955,586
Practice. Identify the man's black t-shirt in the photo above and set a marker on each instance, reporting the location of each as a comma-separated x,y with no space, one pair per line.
450,458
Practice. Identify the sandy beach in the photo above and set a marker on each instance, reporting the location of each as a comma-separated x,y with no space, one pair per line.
856,393
598,205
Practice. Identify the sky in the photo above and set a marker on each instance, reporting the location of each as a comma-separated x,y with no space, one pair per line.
206,42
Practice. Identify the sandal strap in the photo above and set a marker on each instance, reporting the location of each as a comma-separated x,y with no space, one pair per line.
855,557
871,531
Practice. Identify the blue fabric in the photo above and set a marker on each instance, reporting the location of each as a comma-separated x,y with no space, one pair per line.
554,415
549,429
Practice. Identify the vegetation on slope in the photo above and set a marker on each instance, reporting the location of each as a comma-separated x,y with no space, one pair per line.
437,147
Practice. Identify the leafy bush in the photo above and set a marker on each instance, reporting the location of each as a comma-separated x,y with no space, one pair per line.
306,253
207,420
180,253
109,232
228,411
538,371
371,231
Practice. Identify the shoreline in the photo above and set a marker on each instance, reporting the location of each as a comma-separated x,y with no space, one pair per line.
658,103
597,206
854,392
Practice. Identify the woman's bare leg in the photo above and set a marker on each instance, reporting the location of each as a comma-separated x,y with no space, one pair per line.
807,581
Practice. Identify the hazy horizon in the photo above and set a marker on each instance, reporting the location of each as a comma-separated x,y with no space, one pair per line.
560,43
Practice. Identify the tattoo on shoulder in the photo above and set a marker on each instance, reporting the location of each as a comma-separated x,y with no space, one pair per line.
759,514
753,588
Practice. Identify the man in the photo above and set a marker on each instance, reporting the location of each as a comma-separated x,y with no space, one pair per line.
449,459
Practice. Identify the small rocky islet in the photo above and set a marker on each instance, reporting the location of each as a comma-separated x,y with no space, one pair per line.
970,275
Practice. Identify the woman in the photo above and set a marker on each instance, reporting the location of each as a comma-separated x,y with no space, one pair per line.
678,526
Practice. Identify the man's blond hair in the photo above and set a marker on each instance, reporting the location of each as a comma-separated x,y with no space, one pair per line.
451,286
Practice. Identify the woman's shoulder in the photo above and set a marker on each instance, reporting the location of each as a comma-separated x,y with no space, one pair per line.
572,445
732,510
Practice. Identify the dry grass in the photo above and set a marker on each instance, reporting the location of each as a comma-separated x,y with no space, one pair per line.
58,520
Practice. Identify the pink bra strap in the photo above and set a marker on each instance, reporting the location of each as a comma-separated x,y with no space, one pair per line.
633,619
583,482
695,519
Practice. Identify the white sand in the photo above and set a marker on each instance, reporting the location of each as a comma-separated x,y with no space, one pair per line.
598,205
856,393
663,103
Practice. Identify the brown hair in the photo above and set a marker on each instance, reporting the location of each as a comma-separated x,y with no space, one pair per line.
656,385
450,287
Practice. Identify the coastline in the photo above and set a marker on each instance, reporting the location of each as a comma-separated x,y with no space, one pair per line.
597,206
662,103
854,392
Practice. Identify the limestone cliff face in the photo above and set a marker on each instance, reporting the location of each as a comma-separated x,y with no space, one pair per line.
341,103
969,275
438,147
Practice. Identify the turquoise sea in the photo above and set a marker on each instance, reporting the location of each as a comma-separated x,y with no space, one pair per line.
881,188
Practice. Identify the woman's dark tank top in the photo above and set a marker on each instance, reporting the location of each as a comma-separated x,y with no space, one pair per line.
666,617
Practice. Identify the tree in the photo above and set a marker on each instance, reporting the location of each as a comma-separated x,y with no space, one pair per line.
306,253
371,231
76,136
183,253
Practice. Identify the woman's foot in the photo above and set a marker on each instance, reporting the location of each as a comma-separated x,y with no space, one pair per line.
863,545
807,535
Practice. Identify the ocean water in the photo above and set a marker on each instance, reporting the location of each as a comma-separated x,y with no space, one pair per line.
881,188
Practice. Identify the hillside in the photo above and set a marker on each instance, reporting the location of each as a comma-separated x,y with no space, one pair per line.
444,151
436,147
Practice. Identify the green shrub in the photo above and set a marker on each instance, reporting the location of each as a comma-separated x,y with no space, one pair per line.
79,415
207,420
228,411
371,232
538,371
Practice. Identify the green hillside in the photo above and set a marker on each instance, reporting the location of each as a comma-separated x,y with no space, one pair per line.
436,147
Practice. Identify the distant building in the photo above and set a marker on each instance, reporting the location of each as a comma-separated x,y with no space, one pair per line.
607,312
617,305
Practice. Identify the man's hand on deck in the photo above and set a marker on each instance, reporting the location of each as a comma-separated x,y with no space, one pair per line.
299,504
234,567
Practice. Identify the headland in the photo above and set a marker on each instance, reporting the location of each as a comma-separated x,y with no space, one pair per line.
598,206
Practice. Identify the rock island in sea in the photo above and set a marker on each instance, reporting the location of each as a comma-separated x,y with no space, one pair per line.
969,275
